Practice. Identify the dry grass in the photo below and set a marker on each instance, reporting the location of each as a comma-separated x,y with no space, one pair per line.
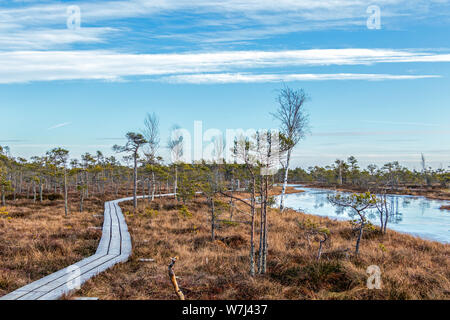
411,268
37,239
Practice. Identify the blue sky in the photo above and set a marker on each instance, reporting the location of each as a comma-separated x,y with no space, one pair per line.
378,94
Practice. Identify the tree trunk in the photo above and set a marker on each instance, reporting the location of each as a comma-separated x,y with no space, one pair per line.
382,213
3,197
135,182
252,232
261,230
54,184
213,220
40,190
231,207
176,182
66,206
98,184
286,175
20,182
86,175
386,219
81,200
149,199
265,239
361,229
15,188
321,242
153,186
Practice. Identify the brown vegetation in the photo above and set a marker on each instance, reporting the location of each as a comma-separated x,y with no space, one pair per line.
412,268
36,239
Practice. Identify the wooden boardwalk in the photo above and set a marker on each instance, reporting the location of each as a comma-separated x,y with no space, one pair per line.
114,247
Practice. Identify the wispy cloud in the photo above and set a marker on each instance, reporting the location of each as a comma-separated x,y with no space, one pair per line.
26,66
228,20
59,125
214,78
51,38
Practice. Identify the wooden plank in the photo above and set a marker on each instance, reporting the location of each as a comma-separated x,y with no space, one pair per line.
114,247
14,295
71,277
31,296
52,277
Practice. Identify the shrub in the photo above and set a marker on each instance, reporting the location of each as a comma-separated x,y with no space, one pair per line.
3,211
230,223
184,212
151,213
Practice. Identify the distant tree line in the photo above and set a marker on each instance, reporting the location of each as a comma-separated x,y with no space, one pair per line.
390,176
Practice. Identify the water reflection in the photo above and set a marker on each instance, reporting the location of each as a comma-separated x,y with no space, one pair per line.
416,215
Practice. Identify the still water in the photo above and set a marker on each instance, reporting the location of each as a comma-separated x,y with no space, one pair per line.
415,215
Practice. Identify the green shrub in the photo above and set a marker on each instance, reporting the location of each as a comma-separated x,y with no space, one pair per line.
230,223
151,213
184,212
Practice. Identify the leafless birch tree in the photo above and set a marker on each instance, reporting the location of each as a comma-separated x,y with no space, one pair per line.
294,125
151,133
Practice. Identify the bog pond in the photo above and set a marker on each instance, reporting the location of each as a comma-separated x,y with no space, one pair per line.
415,215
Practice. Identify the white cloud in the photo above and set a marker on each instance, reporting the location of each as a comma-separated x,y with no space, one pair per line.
246,78
60,125
51,38
26,66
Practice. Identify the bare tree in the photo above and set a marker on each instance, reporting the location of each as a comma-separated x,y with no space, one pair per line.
175,146
267,151
219,149
424,169
294,125
259,156
384,210
242,150
135,142
59,157
151,134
